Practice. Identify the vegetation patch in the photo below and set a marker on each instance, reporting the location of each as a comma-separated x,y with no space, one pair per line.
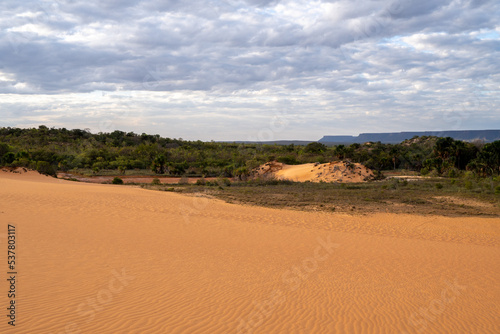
52,150
420,172
117,180
418,197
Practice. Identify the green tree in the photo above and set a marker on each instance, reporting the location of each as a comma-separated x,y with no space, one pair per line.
158,165
4,149
315,148
242,173
340,152
9,157
488,159
45,167
122,169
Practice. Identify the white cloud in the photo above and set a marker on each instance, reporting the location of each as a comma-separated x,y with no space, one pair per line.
222,69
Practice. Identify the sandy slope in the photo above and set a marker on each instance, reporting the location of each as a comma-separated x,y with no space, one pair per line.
335,171
299,173
115,259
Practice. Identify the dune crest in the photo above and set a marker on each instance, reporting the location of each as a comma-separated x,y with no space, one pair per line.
24,174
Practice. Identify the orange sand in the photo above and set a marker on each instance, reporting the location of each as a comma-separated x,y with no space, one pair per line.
114,259
336,171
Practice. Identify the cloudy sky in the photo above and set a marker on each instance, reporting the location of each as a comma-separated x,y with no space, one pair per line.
250,69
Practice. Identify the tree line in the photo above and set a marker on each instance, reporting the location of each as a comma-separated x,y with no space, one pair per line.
49,150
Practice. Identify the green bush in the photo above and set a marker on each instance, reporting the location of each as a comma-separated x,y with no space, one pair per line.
8,157
117,180
315,147
201,182
156,181
288,159
439,186
43,167
469,175
434,173
224,182
453,172
393,184
424,171
378,175
21,162
497,190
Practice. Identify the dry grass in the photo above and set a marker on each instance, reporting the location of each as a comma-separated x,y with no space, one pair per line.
464,197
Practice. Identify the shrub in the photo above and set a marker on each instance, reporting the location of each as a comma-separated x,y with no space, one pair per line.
434,173
378,175
43,167
439,186
424,171
21,162
4,149
184,180
469,175
201,182
9,157
224,182
269,181
315,147
241,172
393,184
497,190
156,181
117,180
453,172
288,159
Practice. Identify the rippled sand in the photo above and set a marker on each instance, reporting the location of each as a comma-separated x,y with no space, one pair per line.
115,259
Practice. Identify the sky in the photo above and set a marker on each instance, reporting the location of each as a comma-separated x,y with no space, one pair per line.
250,69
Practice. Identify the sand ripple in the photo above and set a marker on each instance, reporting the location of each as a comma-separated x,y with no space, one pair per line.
114,259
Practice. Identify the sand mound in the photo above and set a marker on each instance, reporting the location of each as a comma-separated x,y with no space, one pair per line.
24,174
336,171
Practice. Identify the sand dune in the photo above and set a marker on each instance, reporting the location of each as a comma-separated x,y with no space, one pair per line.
114,259
336,171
